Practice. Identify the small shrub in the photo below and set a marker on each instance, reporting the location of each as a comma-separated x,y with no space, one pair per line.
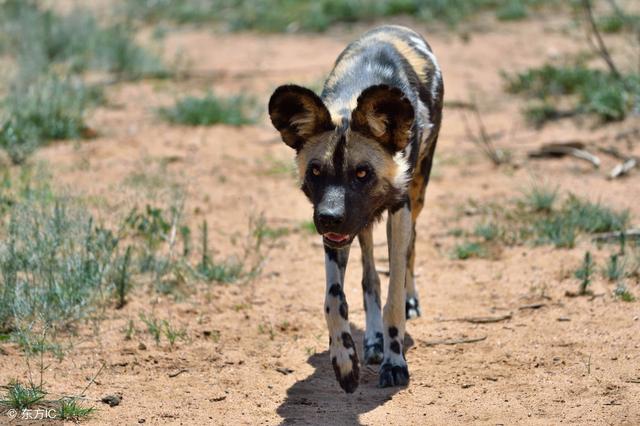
208,110
52,108
55,262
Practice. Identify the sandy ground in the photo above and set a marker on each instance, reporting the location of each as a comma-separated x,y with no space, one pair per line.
531,369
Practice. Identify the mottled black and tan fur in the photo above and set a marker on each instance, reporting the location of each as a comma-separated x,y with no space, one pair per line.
365,146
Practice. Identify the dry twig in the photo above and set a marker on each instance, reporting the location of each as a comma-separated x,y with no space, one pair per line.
452,341
478,320
560,149
616,235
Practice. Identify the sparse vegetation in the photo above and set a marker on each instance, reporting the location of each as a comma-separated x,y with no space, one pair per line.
487,231
536,218
596,92
55,260
309,227
71,409
540,198
614,269
154,327
468,250
585,274
287,15
50,108
209,110
623,292
40,39
21,397
47,96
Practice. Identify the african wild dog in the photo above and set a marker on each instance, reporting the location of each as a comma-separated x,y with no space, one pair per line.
365,146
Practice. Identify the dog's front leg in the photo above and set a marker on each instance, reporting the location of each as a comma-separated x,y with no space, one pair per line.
341,346
394,371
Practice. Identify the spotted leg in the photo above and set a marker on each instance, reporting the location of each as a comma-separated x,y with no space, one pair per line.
344,357
373,349
394,371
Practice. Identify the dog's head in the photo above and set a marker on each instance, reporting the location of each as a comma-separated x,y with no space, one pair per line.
352,170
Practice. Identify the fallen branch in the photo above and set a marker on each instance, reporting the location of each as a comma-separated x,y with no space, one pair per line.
452,341
623,168
478,320
612,236
561,149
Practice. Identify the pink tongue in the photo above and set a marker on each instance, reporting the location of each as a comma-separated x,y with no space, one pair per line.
336,237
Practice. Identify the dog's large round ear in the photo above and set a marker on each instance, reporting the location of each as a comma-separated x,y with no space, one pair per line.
384,113
298,113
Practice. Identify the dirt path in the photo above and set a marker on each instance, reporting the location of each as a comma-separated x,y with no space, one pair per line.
532,368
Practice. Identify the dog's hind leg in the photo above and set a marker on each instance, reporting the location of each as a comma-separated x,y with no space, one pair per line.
373,340
394,371
344,357
417,190
412,304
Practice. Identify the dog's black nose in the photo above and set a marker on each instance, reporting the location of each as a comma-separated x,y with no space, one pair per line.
331,218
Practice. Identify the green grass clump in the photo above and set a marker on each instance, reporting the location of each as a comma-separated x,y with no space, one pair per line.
540,198
22,397
487,231
319,15
468,250
51,108
561,227
592,91
623,293
617,22
70,409
209,110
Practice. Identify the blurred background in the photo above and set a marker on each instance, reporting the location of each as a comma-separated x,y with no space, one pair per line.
157,256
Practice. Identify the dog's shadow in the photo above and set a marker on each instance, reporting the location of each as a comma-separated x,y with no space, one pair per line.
319,400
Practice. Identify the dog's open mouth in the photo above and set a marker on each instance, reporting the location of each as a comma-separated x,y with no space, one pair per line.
335,239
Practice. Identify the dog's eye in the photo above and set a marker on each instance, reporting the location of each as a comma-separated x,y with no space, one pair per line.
315,171
361,174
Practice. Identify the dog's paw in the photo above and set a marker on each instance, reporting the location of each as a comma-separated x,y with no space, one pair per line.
412,308
393,375
373,349
344,359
